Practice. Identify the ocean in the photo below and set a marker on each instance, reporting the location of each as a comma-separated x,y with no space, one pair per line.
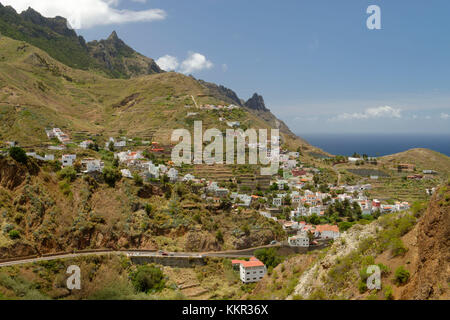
376,145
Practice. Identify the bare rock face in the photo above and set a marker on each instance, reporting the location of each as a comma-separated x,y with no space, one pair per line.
256,103
201,242
430,280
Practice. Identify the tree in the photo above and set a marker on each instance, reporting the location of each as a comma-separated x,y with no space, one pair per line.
219,236
138,179
18,154
111,176
269,257
148,278
111,146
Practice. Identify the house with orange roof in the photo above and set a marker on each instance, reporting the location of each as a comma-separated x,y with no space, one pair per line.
250,271
327,231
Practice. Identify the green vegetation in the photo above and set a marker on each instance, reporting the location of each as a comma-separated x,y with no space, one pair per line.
67,173
388,293
148,278
401,275
269,257
18,154
111,176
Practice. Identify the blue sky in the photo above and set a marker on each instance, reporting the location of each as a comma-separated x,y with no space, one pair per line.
315,62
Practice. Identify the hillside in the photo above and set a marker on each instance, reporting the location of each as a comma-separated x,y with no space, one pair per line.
37,92
111,57
46,212
415,241
424,159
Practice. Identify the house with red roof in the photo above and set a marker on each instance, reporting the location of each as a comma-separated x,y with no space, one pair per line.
250,271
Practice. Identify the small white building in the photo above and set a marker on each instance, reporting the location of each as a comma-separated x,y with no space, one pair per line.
250,271
277,202
85,144
68,160
327,231
188,177
173,174
92,165
300,240
126,173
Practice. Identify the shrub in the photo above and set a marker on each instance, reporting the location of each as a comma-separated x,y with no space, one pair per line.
68,173
362,287
148,278
111,176
401,275
397,247
138,179
388,294
14,234
219,236
18,154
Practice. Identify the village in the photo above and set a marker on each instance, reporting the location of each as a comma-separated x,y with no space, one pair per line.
311,213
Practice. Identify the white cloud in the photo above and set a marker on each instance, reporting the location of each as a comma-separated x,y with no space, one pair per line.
224,67
168,63
371,113
445,116
195,62
85,14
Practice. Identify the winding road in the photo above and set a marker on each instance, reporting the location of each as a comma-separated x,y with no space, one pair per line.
138,253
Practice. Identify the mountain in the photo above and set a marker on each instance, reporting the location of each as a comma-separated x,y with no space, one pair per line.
121,60
111,57
256,102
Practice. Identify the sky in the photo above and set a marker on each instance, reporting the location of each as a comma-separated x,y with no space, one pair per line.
315,62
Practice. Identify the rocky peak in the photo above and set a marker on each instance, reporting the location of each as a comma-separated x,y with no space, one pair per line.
256,102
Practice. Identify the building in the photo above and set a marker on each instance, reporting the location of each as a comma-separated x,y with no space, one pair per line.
300,240
277,202
68,160
222,192
173,174
117,144
250,271
126,173
327,231
85,144
92,165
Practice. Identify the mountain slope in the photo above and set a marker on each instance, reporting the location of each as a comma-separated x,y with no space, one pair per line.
112,57
36,91
424,159
121,60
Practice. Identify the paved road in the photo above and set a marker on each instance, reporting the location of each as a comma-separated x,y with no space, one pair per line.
137,253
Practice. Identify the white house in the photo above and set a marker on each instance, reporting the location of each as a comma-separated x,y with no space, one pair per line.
188,177
327,231
300,240
173,174
85,144
117,144
277,202
92,165
68,160
250,271
126,173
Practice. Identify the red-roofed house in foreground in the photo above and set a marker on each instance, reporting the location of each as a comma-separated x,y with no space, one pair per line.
250,271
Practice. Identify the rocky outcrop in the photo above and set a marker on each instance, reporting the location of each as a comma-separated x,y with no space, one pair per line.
120,59
430,280
256,102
